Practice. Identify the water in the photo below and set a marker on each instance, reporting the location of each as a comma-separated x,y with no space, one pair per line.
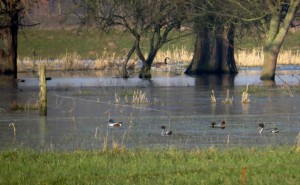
79,105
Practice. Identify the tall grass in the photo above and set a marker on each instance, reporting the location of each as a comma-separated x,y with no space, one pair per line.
182,57
255,57
143,166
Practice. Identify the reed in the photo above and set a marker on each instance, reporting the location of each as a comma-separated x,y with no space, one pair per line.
255,57
13,127
228,100
178,56
27,106
139,97
212,97
246,95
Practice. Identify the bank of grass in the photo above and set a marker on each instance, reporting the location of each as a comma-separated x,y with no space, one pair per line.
67,49
144,166
88,44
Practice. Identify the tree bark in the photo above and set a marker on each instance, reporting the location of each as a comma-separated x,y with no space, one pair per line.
213,53
277,32
9,47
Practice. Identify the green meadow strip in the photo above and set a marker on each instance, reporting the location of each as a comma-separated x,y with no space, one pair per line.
145,166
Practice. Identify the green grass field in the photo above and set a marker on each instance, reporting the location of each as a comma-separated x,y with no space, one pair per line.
91,44
145,166
88,44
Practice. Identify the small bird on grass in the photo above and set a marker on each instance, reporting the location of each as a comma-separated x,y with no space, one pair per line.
215,125
262,128
113,123
165,132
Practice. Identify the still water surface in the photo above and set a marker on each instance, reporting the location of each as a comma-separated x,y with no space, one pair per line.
79,105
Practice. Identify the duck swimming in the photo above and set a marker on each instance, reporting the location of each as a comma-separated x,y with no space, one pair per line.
215,125
165,132
113,123
262,128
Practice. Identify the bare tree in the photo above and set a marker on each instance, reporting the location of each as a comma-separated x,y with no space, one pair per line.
143,19
12,12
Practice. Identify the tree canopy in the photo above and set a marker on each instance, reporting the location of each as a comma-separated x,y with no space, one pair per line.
141,18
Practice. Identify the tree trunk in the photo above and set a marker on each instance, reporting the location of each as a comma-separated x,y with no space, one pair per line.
213,53
277,32
8,48
124,71
146,68
270,61
145,71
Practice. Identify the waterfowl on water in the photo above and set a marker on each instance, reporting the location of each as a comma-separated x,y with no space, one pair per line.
165,132
262,128
161,64
113,123
215,125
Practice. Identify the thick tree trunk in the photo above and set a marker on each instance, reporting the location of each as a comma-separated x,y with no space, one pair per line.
277,32
270,62
213,53
8,48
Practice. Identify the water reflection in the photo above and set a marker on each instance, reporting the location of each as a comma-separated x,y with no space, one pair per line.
213,81
182,103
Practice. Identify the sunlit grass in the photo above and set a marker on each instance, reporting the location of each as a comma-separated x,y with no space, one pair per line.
67,50
143,166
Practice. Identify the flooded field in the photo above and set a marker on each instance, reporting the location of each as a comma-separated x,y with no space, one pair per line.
80,103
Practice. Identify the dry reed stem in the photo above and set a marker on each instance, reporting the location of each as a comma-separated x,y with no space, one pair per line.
212,97
228,100
245,96
298,143
96,132
117,99
13,126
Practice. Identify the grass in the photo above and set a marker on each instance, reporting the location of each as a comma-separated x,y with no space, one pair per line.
143,166
88,44
92,44
67,49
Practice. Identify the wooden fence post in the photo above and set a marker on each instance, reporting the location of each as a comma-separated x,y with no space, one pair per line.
43,91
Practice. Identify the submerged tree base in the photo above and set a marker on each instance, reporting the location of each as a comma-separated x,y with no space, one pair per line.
198,73
267,77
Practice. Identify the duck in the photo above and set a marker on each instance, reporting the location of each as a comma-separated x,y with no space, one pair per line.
272,130
113,123
215,125
161,64
165,132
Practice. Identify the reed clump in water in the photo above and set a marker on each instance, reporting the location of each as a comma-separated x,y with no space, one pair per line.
246,95
28,106
228,100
